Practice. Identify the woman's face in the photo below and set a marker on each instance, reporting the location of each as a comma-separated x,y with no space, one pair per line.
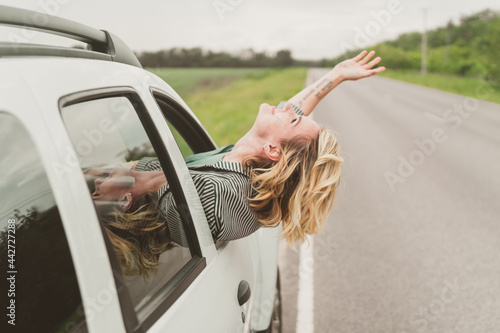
283,125
113,188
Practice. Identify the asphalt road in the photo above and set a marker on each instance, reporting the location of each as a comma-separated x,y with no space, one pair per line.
413,243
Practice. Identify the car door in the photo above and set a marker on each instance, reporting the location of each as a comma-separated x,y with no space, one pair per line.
247,256
163,277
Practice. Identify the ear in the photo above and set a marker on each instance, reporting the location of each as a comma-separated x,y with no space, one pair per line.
126,202
272,152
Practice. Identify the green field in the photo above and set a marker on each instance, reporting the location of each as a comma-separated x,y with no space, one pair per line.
470,87
185,80
227,100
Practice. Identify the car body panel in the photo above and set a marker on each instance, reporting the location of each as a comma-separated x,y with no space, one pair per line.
71,194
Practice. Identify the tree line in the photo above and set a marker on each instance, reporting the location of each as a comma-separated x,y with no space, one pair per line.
466,49
197,57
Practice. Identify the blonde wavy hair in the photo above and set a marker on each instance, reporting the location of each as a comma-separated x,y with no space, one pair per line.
299,189
138,236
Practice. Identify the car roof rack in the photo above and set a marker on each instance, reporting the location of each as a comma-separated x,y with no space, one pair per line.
100,44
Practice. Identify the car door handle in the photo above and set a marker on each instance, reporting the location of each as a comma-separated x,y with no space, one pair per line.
243,292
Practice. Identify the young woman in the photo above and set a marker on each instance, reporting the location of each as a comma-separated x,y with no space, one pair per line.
286,170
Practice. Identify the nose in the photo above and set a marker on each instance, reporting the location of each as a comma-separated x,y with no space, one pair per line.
98,182
288,108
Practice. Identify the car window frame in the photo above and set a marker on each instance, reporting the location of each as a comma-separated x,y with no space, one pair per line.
180,282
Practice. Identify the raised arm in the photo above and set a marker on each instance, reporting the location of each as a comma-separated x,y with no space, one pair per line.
350,69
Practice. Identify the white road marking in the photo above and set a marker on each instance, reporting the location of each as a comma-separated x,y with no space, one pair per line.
305,297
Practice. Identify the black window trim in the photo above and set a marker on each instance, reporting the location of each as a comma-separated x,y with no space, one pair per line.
200,140
176,286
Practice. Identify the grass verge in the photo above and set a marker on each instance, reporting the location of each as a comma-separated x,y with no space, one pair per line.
186,80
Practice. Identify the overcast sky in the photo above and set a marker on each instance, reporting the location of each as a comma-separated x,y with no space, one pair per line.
311,29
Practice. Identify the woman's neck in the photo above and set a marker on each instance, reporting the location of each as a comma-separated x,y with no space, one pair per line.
247,146
146,181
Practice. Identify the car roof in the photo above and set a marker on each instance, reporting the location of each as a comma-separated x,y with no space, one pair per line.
101,44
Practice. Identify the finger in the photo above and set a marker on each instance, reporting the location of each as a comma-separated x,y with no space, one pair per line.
368,57
372,63
377,70
359,56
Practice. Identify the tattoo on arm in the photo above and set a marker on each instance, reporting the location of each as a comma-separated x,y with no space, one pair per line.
323,81
328,85
318,91
308,94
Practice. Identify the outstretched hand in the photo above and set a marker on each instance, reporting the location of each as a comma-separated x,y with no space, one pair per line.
359,67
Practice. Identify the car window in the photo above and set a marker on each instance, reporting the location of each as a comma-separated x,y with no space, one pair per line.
190,136
134,193
42,293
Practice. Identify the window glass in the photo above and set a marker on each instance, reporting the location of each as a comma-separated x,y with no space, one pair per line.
42,290
131,193
183,145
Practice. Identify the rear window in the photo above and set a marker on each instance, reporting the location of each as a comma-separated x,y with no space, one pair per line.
40,290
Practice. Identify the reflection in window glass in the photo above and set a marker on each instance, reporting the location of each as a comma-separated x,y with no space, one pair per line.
105,132
124,178
33,248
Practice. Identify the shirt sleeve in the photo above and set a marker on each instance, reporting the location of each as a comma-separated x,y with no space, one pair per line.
235,215
224,200
166,203
148,164
168,209
295,108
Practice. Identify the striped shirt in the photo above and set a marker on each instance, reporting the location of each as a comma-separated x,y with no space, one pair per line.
223,187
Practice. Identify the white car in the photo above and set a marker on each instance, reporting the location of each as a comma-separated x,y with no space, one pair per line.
66,114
